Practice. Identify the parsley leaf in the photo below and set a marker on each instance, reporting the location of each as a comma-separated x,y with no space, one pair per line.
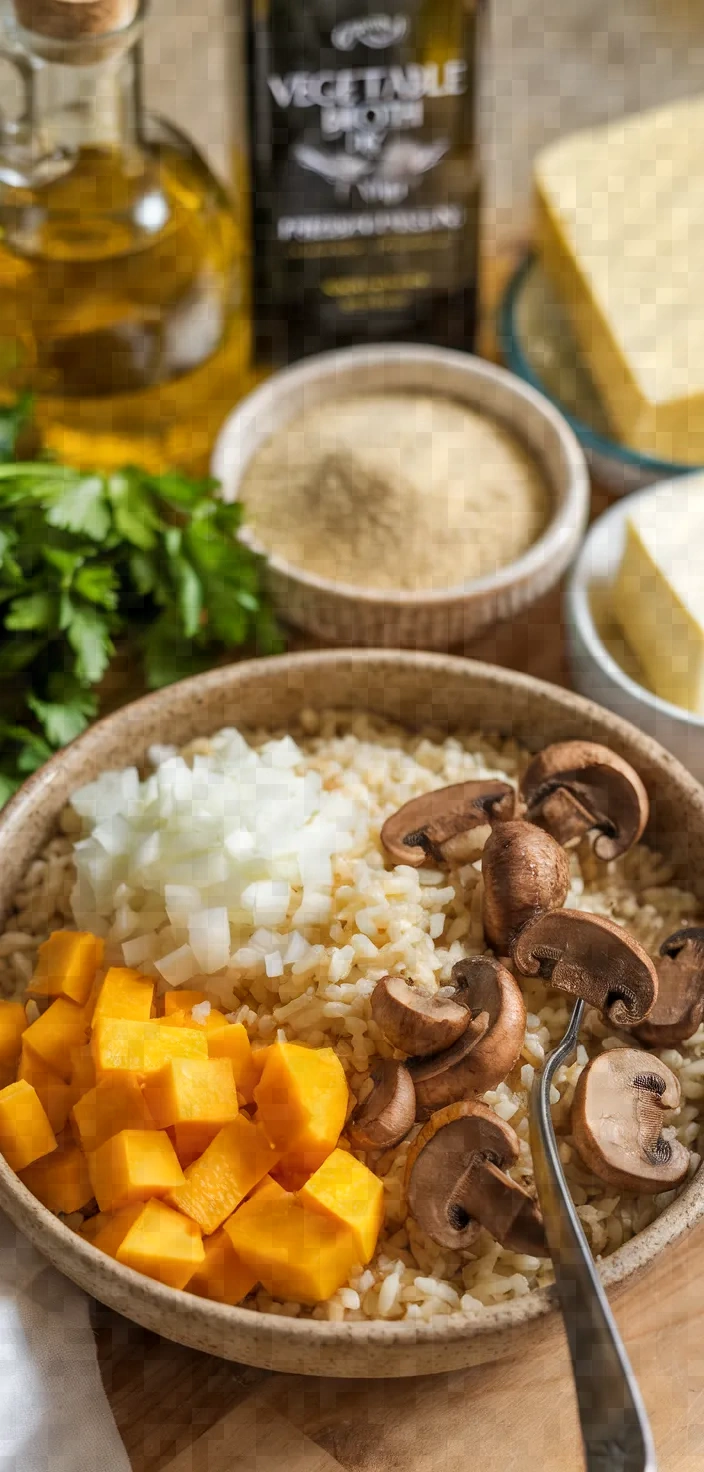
79,505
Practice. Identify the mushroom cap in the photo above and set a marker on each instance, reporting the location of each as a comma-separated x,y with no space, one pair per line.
387,1114
574,787
430,828
525,872
415,1021
490,1046
679,1008
617,1119
590,957
455,1183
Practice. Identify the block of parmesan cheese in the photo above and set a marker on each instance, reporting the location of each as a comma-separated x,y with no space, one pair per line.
620,230
658,596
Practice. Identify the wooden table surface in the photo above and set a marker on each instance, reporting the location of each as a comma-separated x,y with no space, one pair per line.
181,1411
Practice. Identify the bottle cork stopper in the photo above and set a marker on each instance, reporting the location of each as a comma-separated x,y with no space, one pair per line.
72,20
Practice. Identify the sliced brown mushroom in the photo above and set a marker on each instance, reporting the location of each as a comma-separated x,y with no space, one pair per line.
433,828
487,1051
416,1021
386,1115
617,1120
576,787
590,957
679,1009
525,872
456,1181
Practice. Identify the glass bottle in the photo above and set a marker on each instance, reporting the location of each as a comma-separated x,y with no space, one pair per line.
365,174
122,298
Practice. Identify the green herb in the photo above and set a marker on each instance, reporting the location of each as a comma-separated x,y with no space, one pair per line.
88,559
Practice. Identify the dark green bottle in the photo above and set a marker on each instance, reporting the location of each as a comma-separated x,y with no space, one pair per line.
364,172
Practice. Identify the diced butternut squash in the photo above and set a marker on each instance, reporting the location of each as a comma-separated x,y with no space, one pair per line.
231,1041
295,1253
181,1000
62,1027
66,966
133,1166
122,1045
239,1156
192,1091
184,1018
222,1275
347,1191
162,1244
302,1102
116,1103
82,1071
124,993
54,1094
268,1187
60,1181
190,1140
25,1132
13,1021
107,1230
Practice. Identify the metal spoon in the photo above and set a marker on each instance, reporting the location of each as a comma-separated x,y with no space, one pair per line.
614,1422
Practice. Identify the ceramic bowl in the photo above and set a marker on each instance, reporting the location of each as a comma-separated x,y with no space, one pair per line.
538,345
337,613
603,666
416,689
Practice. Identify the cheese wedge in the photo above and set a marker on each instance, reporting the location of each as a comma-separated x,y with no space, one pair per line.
620,216
658,596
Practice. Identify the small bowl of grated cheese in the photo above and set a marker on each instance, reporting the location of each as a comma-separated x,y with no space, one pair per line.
403,496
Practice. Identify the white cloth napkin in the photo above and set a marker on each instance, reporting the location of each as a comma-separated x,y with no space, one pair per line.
54,1414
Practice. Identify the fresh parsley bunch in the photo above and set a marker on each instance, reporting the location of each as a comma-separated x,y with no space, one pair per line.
87,559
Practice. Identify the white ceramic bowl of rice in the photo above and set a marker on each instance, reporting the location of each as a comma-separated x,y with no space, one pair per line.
330,744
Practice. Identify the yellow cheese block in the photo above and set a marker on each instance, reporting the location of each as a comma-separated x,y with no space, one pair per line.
620,216
658,596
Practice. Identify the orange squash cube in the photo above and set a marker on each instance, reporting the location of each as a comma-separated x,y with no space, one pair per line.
13,1022
162,1244
199,1091
54,1094
82,1071
62,1027
222,1275
124,993
295,1253
184,1018
347,1191
191,1140
25,1132
60,1181
123,1045
66,966
239,1156
107,1230
302,1103
180,999
133,1166
231,1041
116,1103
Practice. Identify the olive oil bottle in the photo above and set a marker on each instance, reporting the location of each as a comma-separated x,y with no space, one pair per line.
122,303
364,172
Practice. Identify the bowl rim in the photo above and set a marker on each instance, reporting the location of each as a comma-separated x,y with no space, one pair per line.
565,522
513,351
579,609
43,1228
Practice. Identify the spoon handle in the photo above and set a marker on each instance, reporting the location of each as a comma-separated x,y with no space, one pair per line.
614,1423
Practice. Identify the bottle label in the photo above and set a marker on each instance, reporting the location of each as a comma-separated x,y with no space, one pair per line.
365,177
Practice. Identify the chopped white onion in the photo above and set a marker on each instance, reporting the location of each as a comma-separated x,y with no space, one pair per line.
209,938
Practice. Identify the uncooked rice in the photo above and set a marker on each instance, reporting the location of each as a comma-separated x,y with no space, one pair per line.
415,923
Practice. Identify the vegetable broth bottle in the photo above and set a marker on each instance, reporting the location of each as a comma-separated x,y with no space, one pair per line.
364,172
121,298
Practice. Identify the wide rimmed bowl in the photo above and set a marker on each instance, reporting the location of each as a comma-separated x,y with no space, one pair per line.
416,689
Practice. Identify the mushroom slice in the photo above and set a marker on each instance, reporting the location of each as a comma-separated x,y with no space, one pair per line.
387,1114
433,828
679,1009
576,787
525,872
589,957
617,1119
487,1050
455,1181
416,1021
